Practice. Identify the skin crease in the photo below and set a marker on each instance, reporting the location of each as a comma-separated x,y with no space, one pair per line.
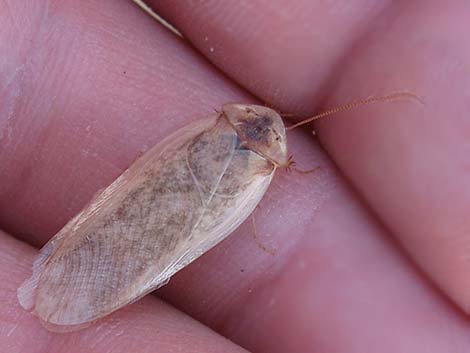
85,88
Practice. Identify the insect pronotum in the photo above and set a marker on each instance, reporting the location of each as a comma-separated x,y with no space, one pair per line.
178,200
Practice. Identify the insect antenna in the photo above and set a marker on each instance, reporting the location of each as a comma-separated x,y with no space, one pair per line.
358,103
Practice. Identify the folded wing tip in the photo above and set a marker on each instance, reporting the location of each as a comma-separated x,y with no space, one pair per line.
26,293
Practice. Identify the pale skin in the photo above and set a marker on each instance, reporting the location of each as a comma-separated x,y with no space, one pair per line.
86,87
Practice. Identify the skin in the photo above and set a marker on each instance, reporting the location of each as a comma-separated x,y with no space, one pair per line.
371,251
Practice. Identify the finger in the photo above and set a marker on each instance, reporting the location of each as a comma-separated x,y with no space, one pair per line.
147,326
409,162
100,85
413,164
281,52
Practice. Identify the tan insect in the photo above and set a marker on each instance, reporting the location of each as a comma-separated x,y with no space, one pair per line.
177,201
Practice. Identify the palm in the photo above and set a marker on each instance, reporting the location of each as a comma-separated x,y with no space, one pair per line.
86,87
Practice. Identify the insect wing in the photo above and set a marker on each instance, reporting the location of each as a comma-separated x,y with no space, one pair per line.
173,204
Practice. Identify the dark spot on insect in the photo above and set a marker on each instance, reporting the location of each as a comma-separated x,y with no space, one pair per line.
242,270
258,129
120,212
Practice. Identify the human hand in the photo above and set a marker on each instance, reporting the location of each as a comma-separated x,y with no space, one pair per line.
86,87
